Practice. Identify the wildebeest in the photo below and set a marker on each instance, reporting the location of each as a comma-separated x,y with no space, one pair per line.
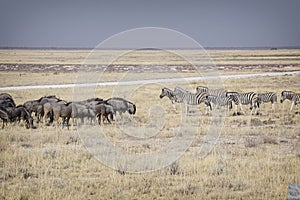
121,105
36,106
48,109
20,113
81,111
104,111
63,110
6,101
4,116
5,96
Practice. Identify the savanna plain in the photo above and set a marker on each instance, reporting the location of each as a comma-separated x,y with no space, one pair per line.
252,156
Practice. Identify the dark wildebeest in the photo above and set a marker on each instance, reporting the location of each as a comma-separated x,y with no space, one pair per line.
104,111
4,116
48,109
6,101
36,106
62,110
121,105
20,113
81,111
4,96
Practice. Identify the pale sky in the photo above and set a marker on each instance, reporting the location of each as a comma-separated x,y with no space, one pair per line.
212,23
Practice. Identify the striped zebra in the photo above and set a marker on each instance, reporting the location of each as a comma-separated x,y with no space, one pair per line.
220,101
212,92
295,100
267,97
188,98
292,96
243,99
286,95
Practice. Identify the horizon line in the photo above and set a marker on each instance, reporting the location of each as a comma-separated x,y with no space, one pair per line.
172,48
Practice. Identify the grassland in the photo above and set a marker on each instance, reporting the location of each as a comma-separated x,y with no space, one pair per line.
255,157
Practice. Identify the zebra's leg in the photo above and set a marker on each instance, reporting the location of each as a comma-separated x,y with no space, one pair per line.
292,105
174,106
251,111
207,109
235,109
255,107
242,109
187,109
273,107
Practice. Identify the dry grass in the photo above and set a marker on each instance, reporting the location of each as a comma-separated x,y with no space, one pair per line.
255,157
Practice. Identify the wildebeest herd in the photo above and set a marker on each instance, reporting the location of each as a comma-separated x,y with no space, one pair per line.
49,109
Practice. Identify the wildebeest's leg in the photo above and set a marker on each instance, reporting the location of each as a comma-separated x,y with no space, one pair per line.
39,113
63,123
65,120
27,123
111,116
68,119
106,117
73,121
99,118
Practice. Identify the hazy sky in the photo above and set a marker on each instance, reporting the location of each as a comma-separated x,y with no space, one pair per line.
212,23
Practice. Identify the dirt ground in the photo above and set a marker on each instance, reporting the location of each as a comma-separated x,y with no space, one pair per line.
255,156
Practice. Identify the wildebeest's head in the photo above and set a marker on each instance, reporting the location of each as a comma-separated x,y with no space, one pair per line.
131,108
29,123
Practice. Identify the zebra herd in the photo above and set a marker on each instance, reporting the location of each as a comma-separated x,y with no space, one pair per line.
49,109
223,98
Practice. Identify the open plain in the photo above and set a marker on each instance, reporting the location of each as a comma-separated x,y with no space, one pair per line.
253,156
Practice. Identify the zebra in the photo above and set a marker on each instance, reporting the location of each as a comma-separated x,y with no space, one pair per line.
295,100
267,97
220,101
188,98
292,96
243,99
286,95
212,92
180,95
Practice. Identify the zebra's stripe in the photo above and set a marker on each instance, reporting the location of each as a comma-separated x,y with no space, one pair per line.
212,92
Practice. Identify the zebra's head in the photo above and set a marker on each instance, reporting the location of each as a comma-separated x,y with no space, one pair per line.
201,89
286,95
164,92
254,102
